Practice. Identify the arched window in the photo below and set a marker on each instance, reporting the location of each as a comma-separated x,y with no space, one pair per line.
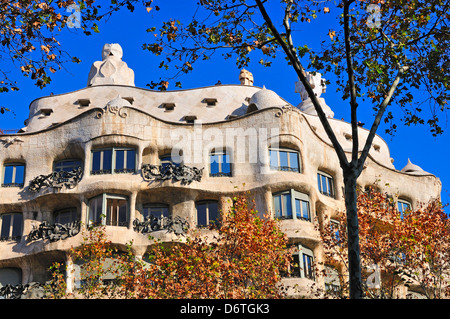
220,163
403,206
207,213
11,226
325,183
108,209
284,159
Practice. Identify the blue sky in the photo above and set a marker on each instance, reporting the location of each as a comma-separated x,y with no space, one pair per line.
129,30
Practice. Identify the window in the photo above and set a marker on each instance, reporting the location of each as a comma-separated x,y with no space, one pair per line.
168,158
308,263
220,164
403,206
302,264
11,226
334,226
284,159
108,209
113,160
13,175
207,213
159,211
325,183
67,165
332,280
65,216
291,204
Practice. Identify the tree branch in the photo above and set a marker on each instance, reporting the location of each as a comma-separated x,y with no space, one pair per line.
293,58
351,83
379,116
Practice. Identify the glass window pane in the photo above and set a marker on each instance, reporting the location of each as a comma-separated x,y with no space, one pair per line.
212,212
122,213
277,205
287,206
107,160
96,161
305,210
324,185
120,159
283,159
273,158
298,208
17,225
6,225
116,212
319,184
20,173
8,179
95,210
226,167
293,161
330,186
201,215
214,164
131,159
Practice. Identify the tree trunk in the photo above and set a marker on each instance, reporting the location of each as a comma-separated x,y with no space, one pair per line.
354,259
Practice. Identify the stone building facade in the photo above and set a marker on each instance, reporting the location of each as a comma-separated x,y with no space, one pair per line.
117,154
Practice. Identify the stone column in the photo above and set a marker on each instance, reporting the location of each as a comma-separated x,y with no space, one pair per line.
133,197
84,202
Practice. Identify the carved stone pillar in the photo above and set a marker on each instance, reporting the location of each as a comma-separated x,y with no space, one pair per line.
133,197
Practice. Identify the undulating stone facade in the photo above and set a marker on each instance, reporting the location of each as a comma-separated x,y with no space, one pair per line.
141,161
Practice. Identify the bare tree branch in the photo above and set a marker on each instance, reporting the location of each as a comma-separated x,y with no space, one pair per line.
293,58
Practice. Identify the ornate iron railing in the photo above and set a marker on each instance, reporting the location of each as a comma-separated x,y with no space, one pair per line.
31,290
55,179
220,174
176,225
170,171
54,232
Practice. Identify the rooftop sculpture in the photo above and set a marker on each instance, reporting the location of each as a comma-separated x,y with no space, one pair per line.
111,70
318,85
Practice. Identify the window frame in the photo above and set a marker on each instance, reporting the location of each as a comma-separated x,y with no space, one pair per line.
103,218
222,154
330,184
292,203
155,206
12,225
209,222
297,267
285,168
114,169
13,182
404,204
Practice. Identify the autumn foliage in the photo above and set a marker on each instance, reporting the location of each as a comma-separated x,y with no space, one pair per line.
242,258
410,250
